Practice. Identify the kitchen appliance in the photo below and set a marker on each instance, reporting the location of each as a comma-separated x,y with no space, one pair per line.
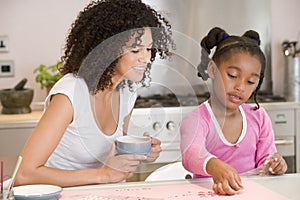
292,71
162,123
289,48
173,100
170,100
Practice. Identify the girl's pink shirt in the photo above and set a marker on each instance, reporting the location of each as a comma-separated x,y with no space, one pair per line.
202,139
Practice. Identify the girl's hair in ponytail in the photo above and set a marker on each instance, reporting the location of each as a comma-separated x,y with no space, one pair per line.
214,36
226,45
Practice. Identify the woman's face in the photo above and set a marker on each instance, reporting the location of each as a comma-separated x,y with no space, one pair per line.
235,79
132,64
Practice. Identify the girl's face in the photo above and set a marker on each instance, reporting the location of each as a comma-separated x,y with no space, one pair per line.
235,79
132,64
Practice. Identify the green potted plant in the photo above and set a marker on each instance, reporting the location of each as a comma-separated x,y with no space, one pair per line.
47,76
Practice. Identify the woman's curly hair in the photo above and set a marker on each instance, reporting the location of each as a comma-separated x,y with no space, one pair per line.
99,33
226,46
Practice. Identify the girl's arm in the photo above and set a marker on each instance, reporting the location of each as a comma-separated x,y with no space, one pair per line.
192,144
276,165
266,147
44,140
198,160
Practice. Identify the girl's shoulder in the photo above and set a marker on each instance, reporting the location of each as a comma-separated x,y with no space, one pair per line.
198,118
250,111
251,108
198,112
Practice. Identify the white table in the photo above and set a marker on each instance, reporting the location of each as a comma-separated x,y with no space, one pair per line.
287,185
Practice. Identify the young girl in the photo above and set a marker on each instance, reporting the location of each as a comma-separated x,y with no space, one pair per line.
225,137
110,48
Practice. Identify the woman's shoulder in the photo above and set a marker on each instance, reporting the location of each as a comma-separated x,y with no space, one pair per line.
70,86
68,82
69,79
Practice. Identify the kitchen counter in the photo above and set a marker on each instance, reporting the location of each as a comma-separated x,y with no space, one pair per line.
16,120
22,120
272,187
28,119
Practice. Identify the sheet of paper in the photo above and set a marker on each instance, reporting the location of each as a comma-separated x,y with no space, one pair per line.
187,191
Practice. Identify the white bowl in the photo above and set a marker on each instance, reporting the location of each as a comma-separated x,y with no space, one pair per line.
134,145
36,192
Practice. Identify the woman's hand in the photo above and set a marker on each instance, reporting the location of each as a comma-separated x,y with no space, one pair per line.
155,149
277,164
226,179
120,167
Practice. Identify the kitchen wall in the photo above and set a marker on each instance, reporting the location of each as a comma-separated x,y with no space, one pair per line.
235,16
37,30
285,25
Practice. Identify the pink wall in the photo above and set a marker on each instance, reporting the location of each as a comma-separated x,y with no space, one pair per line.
36,31
285,25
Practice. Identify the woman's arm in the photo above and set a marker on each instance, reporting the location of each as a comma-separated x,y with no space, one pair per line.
155,149
44,139
42,142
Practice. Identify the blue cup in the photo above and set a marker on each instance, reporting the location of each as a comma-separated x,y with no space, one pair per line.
134,145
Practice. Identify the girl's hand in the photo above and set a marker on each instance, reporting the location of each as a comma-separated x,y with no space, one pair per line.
226,179
155,149
121,167
277,164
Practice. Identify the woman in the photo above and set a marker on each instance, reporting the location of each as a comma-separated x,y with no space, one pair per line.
110,48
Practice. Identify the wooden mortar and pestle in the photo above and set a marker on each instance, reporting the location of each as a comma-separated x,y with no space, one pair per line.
16,100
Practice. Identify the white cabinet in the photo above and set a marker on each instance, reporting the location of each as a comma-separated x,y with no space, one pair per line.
298,141
283,117
12,139
15,130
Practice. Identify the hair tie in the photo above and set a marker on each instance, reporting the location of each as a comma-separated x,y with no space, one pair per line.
226,35
255,40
